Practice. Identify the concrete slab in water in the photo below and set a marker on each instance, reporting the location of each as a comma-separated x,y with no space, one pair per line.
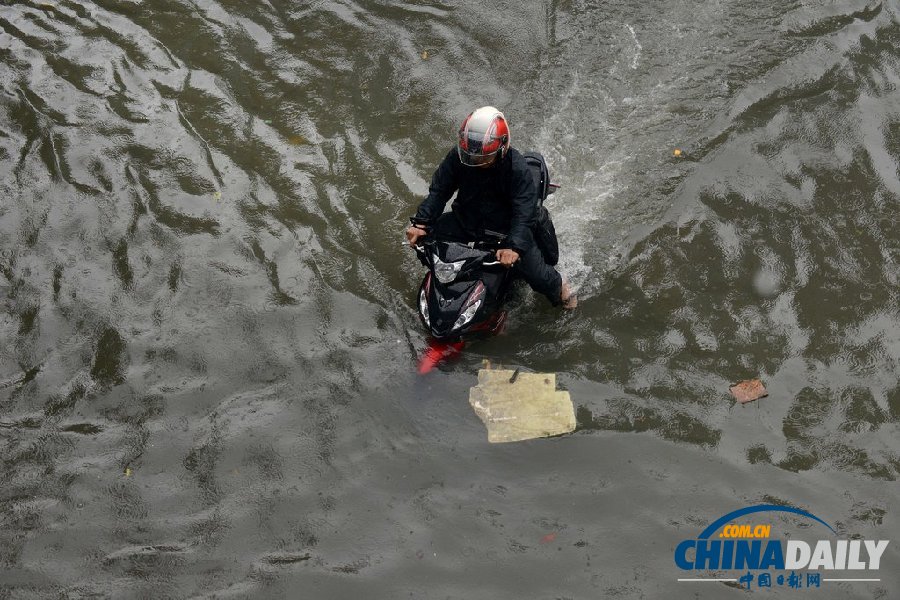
525,408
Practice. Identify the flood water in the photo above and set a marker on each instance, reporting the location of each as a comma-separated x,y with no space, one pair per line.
208,337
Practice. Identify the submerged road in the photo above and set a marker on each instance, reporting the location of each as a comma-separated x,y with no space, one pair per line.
208,335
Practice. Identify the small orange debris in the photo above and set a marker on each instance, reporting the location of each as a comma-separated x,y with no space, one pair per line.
676,152
748,390
548,538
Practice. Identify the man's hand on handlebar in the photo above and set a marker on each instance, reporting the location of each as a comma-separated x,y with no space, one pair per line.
507,257
413,233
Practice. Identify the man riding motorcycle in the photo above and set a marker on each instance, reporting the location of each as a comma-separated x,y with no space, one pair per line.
495,192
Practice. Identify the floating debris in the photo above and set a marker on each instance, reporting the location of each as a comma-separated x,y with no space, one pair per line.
521,407
82,428
424,54
677,152
748,390
130,553
287,558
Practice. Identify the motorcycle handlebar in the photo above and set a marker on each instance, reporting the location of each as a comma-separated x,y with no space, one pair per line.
421,248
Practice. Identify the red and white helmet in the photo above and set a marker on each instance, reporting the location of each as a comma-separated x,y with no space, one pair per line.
483,135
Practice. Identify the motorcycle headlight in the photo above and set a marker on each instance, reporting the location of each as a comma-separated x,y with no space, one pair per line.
467,315
423,307
447,272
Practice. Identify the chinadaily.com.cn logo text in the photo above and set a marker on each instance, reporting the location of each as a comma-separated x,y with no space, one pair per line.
741,547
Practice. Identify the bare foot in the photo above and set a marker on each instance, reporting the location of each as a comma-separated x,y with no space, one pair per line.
568,297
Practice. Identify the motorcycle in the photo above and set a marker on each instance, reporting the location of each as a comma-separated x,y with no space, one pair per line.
462,294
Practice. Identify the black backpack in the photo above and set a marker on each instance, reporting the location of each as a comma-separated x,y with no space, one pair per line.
544,232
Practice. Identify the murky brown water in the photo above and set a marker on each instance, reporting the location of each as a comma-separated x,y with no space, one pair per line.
208,338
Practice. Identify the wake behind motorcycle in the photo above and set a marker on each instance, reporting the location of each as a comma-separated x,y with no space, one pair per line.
463,292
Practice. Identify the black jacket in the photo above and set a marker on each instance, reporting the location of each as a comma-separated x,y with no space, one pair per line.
501,198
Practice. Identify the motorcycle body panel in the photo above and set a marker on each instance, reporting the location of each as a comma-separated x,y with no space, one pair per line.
446,301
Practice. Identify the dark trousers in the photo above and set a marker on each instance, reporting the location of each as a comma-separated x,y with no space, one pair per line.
542,278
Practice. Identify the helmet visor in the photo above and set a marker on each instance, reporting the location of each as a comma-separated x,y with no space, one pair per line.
475,159
476,149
